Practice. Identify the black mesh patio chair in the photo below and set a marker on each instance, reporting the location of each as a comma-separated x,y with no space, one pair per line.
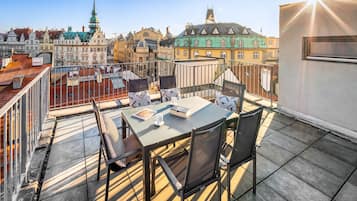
168,88
190,171
167,82
118,153
234,89
244,145
136,87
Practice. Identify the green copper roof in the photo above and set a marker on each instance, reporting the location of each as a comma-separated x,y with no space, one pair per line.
84,36
221,41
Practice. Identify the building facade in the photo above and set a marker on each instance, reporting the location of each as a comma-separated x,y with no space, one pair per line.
27,41
47,38
32,45
12,42
144,45
81,48
228,41
272,50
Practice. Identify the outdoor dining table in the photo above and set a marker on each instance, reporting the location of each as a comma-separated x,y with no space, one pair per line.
174,128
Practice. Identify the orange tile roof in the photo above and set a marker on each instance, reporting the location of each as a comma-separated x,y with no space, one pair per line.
21,65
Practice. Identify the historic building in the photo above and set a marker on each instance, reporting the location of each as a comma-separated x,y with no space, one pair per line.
229,41
144,45
81,48
32,45
13,42
27,41
47,38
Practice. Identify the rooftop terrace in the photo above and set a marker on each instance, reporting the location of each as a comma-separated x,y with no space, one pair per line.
295,162
52,141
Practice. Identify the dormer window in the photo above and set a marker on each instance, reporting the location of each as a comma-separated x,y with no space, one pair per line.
230,31
245,31
203,32
215,31
192,32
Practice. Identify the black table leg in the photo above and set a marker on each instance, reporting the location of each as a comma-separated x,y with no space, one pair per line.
123,125
146,171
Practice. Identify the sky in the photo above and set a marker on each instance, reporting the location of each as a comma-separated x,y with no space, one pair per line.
121,16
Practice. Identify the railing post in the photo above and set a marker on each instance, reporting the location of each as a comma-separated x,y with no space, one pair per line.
194,80
271,86
6,188
23,134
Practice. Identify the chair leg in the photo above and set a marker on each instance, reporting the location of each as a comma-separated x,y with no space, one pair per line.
254,174
219,189
107,184
153,165
228,183
99,161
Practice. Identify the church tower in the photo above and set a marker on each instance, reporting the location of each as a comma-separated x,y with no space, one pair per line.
94,21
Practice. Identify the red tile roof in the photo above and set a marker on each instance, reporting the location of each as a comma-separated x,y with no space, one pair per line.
21,65
25,31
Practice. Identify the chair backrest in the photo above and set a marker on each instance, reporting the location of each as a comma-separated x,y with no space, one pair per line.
234,89
111,145
99,118
138,85
246,136
167,82
203,162
102,129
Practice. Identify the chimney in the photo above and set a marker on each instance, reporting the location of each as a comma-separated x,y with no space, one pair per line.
83,27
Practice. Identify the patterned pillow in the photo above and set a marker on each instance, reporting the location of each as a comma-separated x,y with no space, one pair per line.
227,102
137,99
167,94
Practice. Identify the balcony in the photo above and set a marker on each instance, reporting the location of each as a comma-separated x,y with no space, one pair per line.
59,148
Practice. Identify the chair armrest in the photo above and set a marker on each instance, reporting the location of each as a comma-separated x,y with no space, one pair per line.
170,175
123,156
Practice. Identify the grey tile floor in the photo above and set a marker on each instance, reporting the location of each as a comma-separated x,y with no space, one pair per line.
295,162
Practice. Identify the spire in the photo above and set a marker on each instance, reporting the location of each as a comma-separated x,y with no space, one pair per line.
93,10
210,16
94,21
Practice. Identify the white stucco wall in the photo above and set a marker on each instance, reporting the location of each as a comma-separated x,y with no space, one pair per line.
324,93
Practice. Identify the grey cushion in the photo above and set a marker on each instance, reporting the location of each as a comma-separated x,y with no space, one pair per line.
137,99
114,142
167,94
227,102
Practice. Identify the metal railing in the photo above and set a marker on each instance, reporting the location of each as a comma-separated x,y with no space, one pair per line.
76,85
21,120
261,80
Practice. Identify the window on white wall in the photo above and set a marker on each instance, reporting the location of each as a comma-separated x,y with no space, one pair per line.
331,48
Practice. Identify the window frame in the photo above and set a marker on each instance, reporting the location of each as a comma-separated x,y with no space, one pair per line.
306,50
